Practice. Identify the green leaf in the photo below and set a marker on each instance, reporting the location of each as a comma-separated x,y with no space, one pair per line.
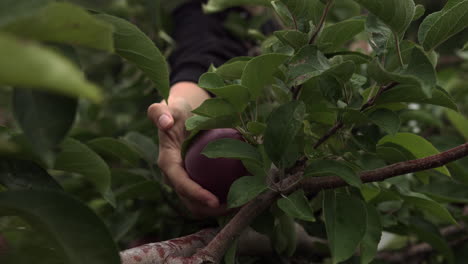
333,167
230,256
45,119
133,45
419,12
78,158
27,64
431,207
346,223
283,13
144,145
210,80
420,73
22,174
115,148
256,128
396,14
232,148
307,63
304,12
64,23
387,120
440,26
11,10
371,238
444,190
333,37
459,122
418,146
282,126
235,94
259,72
215,107
233,69
219,5
80,234
293,38
284,236
296,205
407,93
245,189
332,81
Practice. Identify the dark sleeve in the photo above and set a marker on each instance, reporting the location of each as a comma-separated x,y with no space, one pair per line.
201,40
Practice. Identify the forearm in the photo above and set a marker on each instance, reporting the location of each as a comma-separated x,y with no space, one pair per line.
189,91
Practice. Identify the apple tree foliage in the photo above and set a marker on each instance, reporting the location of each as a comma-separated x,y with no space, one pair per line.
344,85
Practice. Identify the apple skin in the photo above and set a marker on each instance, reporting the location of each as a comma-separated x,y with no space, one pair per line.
215,175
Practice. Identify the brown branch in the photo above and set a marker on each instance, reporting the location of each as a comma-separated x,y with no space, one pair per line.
322,21
314,185
155,253
338,125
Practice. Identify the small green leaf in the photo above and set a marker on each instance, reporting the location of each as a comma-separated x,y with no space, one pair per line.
27,64
215,107
45,119
230,256
387,120
144,145
81,235
115,148
284,236
219,5
283,13
64,23
307,63
304,12
380,34
440,26
22,174
416,145
233,69
259,72
371,238
431,207
245,189
210,80
133,45
333,167
419,12
333,37
282,126
296,205
396,14
232,148
459,122
293,38
78,158
346,223
256,128
235,94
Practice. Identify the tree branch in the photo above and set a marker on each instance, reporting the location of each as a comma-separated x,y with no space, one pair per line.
314,185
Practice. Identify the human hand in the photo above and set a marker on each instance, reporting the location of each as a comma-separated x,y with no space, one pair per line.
170,120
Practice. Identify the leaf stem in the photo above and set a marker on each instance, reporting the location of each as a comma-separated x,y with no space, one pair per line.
322,21
397,44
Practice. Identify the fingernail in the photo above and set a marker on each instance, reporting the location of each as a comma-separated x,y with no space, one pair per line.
164,121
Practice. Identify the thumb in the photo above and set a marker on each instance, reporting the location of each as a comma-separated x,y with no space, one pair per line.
161,116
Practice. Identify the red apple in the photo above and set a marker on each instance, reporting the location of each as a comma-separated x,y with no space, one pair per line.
215,175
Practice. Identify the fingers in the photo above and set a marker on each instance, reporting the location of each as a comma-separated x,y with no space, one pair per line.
189,189
161,116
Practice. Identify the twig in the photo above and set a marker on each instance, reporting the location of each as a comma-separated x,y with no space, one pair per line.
322,21
338,125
